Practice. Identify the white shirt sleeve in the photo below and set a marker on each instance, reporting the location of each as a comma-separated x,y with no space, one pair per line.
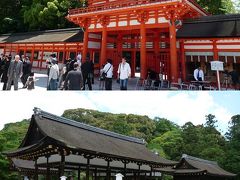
195,74
129,70
119,68
202,75
50,73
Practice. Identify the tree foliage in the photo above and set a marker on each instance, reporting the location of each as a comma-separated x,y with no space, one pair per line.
10,138
217,6
28,15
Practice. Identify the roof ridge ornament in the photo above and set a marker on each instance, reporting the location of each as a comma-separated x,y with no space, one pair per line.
37,111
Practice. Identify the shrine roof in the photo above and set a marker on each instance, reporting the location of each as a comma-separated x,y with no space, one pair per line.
217,26
58,35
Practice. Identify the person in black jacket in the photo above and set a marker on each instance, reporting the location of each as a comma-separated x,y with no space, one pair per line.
235,78
87,74
74,79
27,69
5,64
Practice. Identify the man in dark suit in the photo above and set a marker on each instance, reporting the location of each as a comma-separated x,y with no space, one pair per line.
87,73
14,72
74,79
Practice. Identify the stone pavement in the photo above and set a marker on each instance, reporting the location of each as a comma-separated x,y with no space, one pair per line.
41,83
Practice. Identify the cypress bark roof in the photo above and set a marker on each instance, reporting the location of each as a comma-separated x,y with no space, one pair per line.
59,35
85,138
218,26
190,165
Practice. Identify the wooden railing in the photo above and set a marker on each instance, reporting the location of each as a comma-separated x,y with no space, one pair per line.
114,5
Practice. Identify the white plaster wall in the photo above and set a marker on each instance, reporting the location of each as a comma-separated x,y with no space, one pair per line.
95,45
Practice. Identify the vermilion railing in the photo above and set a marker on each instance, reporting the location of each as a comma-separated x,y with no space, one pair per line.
114,5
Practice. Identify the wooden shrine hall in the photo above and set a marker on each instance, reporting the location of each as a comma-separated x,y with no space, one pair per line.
138,29
54,143
192,168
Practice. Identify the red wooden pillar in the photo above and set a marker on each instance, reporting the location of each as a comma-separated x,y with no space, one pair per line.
156,52
173,53
32,55
133,68
85,45
215,56
143,60
183,62
103,46
215,51
119,46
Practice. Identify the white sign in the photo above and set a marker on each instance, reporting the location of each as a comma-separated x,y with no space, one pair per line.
119,176
217,66
63,178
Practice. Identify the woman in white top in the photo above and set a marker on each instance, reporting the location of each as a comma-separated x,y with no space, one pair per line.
124,72
53,75
108,69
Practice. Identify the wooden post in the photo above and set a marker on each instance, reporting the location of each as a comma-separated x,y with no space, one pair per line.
36,171
95,174
48,169
85,45
125,170
215,51
216,58
79,173
103,46
62,165
173,52
143,60
151,173
108,170
139,169
88,169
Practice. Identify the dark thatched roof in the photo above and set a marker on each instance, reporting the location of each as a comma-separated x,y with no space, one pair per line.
189,165
50,36
85,138
218,26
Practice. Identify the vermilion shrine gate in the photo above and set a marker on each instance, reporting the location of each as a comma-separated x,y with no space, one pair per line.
142,30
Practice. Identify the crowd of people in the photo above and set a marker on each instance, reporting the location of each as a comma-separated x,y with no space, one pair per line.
73,74
11,71
79,75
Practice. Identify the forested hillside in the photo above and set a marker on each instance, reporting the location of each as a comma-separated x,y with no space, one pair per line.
162,136
30,15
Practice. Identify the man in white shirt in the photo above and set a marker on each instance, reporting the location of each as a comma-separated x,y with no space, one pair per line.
124,72
198,74
79,60
53,75
108,69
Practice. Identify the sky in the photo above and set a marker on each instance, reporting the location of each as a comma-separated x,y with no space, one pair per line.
179,107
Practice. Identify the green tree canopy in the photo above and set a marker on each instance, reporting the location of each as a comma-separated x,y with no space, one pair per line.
217,6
